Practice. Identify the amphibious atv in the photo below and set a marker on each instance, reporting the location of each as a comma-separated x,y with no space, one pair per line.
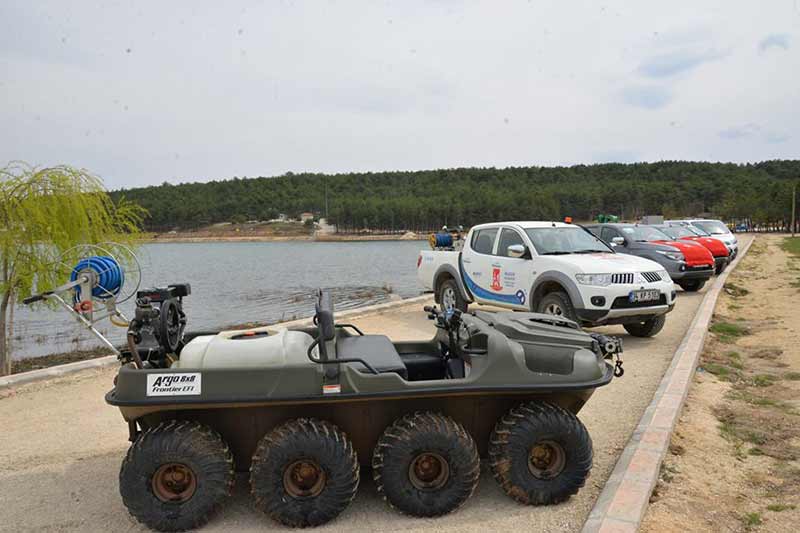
302,409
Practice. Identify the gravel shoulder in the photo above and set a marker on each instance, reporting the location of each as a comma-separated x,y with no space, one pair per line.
734,461
61,447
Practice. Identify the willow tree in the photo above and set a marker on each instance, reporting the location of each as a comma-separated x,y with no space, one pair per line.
43,213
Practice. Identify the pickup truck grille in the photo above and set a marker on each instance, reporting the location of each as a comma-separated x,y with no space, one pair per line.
652,277
626,279
629,278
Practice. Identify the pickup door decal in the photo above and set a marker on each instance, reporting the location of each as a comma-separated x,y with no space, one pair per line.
484,294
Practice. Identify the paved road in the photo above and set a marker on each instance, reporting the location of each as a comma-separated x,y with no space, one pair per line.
61,446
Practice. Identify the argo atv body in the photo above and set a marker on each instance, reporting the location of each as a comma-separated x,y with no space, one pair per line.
302,409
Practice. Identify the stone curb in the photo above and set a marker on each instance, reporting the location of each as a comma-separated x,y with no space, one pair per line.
621,506
109,360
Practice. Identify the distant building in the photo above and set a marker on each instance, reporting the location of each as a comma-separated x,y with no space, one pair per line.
306,216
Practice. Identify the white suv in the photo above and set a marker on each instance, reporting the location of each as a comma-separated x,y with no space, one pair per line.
551,267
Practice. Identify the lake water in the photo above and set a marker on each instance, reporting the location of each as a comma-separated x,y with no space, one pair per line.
236,283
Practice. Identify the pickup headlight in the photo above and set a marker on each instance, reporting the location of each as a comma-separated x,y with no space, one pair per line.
600,280
664,275
675,256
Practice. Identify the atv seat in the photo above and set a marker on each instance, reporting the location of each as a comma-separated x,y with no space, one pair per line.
377,350
365,353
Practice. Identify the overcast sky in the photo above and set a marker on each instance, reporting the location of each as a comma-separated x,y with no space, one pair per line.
145,92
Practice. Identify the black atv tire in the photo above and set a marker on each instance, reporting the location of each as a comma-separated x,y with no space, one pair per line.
278,465
538,427
450,286
692,285
425,464
559,304
171,456
648,328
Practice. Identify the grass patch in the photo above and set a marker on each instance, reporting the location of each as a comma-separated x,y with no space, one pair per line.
779,507
792,376
668,472
728,328
744,395
751,520
735,360
736,434
728,332
734,290
767,353
791,245
763,380
719,370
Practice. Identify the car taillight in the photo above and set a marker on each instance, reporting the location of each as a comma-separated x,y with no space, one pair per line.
419,260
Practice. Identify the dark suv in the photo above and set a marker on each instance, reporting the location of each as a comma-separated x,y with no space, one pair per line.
688,264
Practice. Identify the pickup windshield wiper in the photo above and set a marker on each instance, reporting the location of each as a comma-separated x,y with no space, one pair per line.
590,251
558,252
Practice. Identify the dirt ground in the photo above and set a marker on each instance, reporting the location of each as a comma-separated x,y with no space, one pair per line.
61,448
734,461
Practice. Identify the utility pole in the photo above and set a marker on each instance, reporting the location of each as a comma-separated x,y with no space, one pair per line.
794,206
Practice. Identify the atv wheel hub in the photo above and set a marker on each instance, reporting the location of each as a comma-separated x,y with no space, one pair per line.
174,483
546,459
429,471
304,479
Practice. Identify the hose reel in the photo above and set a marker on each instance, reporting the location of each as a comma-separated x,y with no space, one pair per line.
100,277
446,239
105,273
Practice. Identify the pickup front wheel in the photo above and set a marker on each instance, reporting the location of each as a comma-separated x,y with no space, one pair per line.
450,296
558,304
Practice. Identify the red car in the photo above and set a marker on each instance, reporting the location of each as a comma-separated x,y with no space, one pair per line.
715,246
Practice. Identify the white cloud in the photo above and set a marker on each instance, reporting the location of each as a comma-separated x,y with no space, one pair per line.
740,132
647,96
678,62
775,40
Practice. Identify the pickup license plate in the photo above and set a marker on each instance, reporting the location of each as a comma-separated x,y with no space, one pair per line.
649,295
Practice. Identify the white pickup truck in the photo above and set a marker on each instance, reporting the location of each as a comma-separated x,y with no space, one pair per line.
554,268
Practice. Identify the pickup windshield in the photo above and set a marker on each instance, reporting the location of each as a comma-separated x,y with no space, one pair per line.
714,227
565,240
676,232
698,231
644,234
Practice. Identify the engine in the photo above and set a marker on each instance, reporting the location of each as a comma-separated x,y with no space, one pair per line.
155,334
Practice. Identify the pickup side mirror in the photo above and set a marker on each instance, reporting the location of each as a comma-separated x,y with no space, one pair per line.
517,251
617,241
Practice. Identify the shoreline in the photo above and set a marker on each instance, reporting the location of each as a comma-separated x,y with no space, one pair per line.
183,238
